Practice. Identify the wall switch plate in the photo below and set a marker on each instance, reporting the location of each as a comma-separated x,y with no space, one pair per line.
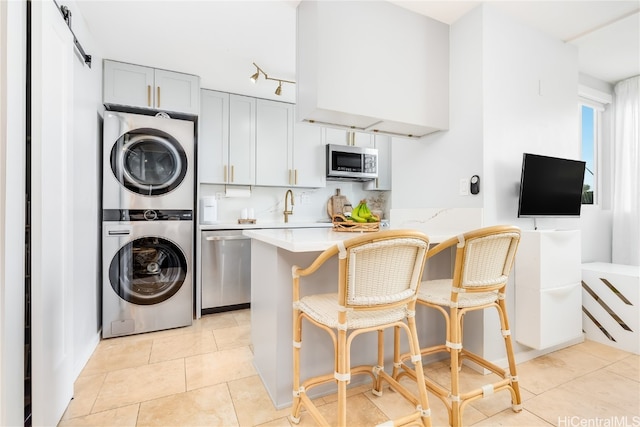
464,186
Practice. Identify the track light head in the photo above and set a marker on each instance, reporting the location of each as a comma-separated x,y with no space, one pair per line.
254,77
279,88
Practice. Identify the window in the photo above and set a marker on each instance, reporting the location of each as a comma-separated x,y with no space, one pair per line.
592,104
589,121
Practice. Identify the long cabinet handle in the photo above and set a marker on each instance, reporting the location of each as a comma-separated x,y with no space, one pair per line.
232,173
295,177
148,95
290,177
158,96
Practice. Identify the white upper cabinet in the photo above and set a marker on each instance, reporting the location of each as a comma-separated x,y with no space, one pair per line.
242,140
309,156
341,137
273,143
226,139
141,87
372,66
287,154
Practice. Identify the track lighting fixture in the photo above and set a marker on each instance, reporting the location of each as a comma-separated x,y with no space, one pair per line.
254,78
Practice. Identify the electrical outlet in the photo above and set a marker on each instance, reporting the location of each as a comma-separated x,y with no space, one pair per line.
464,186
219,196
305,199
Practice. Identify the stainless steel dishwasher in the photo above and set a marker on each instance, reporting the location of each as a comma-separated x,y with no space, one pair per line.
226,271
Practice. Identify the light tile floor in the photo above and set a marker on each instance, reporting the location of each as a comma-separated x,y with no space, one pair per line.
202,375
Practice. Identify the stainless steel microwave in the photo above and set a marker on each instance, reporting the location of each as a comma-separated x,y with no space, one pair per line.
351,163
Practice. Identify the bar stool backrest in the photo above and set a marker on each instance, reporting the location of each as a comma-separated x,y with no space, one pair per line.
384,271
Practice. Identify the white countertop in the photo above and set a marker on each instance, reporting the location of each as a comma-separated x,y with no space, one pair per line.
308,239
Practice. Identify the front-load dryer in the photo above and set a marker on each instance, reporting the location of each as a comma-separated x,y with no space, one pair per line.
147,271
148,162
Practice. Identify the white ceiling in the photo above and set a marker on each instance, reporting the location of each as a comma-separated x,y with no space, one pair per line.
218,39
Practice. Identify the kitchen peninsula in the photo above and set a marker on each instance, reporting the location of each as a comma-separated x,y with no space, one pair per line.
274,252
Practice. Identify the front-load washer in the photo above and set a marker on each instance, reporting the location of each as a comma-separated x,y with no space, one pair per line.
147,270
148,162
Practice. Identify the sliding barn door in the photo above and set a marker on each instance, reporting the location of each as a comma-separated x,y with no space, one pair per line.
52,218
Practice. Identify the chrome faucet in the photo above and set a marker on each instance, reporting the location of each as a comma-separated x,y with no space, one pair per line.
288,212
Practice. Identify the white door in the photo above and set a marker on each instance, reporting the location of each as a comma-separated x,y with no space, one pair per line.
51,215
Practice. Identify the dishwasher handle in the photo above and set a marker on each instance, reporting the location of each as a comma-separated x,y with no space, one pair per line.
216,238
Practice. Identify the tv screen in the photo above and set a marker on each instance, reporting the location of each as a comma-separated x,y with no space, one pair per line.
550,187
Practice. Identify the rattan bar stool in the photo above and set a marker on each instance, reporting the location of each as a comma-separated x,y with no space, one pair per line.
483,261
378,278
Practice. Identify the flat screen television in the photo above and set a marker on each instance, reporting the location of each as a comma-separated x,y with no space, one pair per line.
550,187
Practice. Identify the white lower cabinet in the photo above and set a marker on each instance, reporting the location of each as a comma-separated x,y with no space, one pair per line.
548,296
611,304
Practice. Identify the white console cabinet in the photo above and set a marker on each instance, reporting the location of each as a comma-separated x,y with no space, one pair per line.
548,295
610,301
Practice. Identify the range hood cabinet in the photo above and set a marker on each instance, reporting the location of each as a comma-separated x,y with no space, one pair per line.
372,67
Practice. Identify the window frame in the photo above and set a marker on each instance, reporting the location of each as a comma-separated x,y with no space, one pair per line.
598,109
598,99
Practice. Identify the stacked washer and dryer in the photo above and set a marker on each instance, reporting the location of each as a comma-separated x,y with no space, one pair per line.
147,228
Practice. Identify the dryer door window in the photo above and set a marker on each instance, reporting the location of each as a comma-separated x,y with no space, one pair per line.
148,162
148,270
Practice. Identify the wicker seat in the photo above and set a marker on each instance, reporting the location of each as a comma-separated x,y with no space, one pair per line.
378,278
483,261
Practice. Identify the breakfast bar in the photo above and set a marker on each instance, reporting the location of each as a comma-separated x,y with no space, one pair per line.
274,253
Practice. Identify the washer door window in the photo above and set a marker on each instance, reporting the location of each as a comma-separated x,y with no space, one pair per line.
148,162
148,270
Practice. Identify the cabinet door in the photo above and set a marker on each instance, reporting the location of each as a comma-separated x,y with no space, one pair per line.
176,92
341,137
274,137
242,140
213,140
127,84
336,136
362,139
383,182
309,155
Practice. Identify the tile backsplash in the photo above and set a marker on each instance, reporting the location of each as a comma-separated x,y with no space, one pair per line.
268,202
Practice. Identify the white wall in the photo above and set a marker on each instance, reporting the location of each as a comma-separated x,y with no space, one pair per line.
12,167
513,90
426,172
530,97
